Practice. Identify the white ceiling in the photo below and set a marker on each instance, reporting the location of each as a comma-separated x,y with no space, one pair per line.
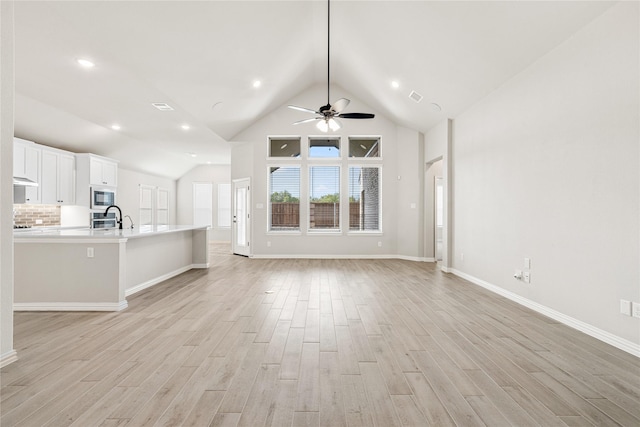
201,54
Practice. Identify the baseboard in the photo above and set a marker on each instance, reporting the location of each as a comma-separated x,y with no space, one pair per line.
8,358
200,265
70,306
604,336
156,280
333,256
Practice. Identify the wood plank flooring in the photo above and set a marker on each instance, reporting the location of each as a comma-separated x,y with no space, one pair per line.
255,342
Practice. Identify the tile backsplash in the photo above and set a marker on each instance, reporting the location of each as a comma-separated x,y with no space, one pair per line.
36,215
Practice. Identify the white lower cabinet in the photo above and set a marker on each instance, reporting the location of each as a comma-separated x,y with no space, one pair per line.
57,178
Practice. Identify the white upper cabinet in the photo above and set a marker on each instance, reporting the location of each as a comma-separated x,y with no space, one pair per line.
26,164
103,172
93,171
57,177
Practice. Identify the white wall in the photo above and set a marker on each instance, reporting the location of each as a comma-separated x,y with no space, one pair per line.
216,174
7,353
128,193
547,167
249,154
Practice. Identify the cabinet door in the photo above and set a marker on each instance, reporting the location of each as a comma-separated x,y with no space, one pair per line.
49,178
32,171
66,167
95,172
19,155
110,173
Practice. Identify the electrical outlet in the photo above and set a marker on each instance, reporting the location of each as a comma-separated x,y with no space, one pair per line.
89,252
38,221
268,244
635,309
625,307
379,244
461,256
526,277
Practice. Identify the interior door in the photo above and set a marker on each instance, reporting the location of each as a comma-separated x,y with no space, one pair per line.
241,216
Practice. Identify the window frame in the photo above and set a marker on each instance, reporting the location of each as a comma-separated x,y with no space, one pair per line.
297,231
378,166
364,159
324,137
272,138
324,163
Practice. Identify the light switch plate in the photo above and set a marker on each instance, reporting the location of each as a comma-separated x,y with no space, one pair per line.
625,307
635,309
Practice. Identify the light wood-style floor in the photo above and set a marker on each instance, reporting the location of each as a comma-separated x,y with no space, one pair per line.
314,342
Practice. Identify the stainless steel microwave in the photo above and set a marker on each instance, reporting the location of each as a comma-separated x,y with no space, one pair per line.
102,197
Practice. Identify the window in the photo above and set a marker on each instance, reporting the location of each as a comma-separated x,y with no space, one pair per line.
324,198
364,198
284,147
364,147
324,147
284,198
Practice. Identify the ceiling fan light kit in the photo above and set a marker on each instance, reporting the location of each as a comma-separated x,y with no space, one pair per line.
327,114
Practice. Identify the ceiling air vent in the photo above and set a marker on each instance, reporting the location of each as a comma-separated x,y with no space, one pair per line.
162,106
415,96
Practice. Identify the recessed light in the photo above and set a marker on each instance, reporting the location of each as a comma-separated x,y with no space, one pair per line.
435,107
162,106
85,63
115,126
257,83
185,127
395,84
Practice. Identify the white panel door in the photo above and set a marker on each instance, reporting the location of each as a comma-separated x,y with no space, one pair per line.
241,217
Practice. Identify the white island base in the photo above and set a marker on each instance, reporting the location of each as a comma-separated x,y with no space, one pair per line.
95,270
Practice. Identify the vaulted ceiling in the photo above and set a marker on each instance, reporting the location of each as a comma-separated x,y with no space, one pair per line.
203,57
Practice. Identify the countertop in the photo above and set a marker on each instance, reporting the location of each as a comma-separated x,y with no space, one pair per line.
26,235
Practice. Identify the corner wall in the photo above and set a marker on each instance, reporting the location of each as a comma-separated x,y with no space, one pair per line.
7,353
547,168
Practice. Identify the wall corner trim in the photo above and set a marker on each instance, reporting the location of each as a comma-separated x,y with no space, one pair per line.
8,358
592,331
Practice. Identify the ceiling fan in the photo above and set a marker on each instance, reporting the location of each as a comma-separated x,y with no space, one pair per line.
327,114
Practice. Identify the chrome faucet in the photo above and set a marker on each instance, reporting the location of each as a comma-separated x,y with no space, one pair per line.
127,216
119,221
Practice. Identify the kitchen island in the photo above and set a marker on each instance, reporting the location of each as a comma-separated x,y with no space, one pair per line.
96,269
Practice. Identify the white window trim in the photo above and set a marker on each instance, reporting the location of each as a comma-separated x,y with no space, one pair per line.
279,164
379,231
317,231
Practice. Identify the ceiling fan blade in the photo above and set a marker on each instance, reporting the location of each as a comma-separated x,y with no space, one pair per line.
356,116
340,104
306,110
307,120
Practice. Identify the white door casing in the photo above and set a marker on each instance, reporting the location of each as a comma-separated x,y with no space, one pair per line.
241,229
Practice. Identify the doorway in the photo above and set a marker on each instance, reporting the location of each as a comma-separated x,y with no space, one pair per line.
241,229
